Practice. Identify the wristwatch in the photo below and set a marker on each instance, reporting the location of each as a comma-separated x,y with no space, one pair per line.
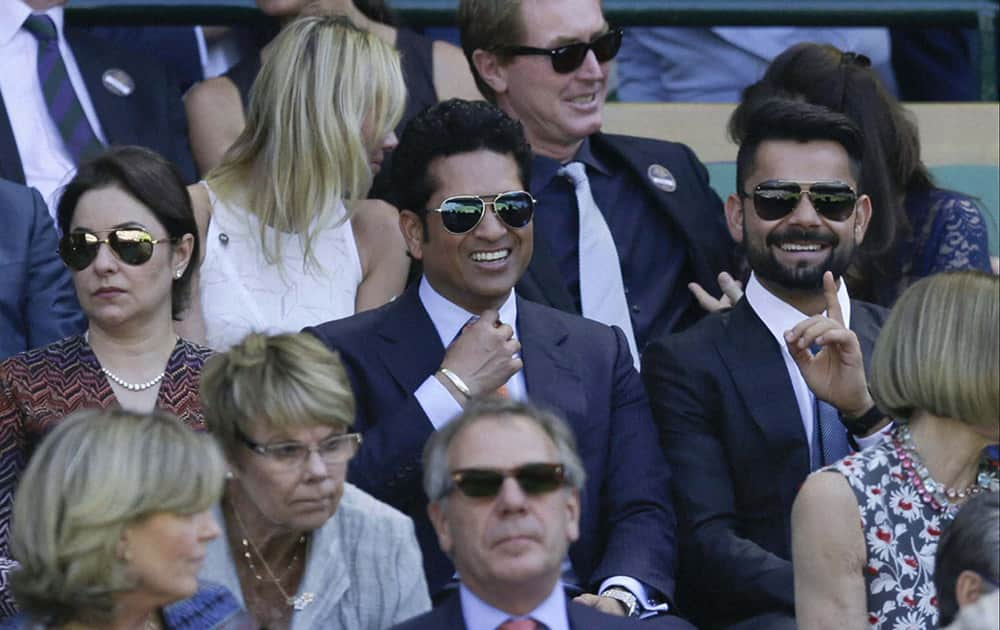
625,597
863,423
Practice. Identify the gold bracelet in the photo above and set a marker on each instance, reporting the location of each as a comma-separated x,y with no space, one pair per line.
456,381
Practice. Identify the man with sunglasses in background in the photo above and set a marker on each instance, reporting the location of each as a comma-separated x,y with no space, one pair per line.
504,481
627,222
753,398
460,171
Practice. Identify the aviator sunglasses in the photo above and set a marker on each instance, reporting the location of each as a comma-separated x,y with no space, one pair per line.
486,482
133,246
463,213
568,58
775,199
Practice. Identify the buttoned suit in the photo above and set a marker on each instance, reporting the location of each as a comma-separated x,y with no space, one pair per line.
151,116
577,367
693,211
733,434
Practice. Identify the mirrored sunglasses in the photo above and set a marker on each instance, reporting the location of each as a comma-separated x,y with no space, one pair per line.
775,199
133,246
463,213
486,482
568,58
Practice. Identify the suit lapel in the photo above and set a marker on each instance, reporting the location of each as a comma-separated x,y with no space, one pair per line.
551,379
10,159
407,342
542,282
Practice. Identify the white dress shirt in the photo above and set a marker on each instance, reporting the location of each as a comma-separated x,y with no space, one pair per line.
779,317
479,615
47,164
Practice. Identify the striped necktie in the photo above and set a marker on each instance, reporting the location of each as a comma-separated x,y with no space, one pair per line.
829,433
60,97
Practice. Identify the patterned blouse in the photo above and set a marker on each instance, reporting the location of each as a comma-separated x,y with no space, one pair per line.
901,533
39,387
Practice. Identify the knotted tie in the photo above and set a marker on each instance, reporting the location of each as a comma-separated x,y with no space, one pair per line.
829,434
518,624
60,97
602,291
502,390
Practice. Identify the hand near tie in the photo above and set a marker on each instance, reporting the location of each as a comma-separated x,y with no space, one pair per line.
483,356
835,374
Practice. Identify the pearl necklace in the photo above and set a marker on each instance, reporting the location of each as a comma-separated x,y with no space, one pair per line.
132,387
938,496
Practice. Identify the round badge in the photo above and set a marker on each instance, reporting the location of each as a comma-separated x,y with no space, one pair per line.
118,82
662,178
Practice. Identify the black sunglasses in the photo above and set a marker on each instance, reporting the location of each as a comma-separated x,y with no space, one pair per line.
463,213
568,58
486,482
133,246
777,198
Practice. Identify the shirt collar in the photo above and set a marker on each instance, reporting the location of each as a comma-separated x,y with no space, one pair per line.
14,13
544,169
780,316
481,616
449,318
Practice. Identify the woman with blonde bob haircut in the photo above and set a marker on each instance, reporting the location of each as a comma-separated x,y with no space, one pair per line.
110,525
289,239
301,547
935,369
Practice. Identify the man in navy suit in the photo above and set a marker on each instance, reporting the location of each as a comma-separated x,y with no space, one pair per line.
546,64
745,407
127,97
504,480
37,301
460,173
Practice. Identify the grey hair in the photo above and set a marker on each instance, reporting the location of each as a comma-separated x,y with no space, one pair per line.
970,543
437,482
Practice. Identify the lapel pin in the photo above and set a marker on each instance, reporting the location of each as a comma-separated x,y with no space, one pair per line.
662,178
118,82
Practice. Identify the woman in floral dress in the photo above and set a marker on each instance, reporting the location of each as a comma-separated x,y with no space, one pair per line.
935,369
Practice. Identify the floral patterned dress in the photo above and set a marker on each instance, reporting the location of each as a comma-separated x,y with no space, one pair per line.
901,532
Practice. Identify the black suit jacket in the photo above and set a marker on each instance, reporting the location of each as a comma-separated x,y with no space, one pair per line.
577,367
733,435
448,616
151,116
693,211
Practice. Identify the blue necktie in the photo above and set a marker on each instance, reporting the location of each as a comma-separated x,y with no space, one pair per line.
60,97
829,434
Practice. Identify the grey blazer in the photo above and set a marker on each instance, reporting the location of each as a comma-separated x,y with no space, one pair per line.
364,567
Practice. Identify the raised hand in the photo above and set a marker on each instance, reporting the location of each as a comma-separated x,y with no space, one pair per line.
732,291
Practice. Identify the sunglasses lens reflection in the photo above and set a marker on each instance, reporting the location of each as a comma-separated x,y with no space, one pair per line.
79,249
515,209
833,201
461,214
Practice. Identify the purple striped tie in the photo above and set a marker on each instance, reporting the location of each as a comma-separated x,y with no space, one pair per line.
60,97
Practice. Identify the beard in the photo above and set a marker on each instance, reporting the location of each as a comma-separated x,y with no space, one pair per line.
804,276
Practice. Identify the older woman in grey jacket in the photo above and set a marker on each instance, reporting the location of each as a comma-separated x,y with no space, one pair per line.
301,548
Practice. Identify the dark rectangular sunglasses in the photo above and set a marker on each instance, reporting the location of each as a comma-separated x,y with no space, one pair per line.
486,482
568,58
133,246
777,198
463,213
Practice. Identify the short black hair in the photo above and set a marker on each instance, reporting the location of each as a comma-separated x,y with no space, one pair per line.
449,128
154,182
970,543
789,119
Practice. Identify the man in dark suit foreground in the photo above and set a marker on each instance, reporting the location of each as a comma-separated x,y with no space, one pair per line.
460,173
504,481
745,409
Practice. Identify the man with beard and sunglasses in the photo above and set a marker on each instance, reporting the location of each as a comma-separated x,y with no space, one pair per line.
753,398
629,222
504,481
461,331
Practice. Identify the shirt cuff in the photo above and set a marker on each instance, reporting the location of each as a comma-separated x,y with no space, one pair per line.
437,402
874,438
647,605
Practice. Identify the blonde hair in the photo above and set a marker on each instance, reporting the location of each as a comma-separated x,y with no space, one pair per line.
938,350
326,91
288,380
98,472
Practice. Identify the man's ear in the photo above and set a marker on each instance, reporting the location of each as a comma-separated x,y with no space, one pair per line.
573,513
968,588
412,227
734,217
490,70
862,218
439,519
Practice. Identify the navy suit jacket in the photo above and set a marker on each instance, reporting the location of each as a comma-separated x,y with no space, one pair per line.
693,211
151,116
731,428
577,367
448,616
37,301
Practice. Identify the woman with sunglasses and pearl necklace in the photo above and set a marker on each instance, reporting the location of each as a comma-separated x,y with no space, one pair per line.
129,238
300,547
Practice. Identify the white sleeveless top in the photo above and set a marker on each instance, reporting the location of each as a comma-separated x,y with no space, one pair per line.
242,292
